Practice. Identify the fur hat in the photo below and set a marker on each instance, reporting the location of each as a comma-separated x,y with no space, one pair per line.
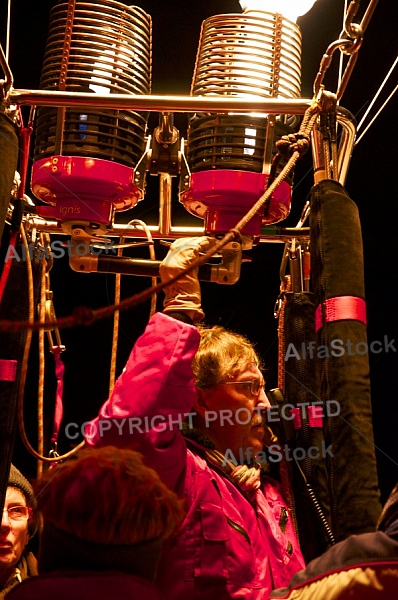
105,509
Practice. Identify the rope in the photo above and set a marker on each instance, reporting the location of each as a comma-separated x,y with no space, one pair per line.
116,317
285,287
376,115
377,94
341,61
285,467
374,100
8,31
24,367
42,366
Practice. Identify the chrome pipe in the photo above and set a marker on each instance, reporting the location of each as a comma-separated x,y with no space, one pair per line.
272,233
9,79
346,145
155,103
165,204
347,142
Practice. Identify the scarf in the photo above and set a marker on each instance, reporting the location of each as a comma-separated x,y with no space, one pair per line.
246,478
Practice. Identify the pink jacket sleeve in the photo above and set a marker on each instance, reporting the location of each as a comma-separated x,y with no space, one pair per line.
152,397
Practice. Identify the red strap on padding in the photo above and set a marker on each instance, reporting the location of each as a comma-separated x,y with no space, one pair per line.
296,412
8,370
315,416
341,308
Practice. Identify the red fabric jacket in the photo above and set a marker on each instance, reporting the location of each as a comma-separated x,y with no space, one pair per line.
226,547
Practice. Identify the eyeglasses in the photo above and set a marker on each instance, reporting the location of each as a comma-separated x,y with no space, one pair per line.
18,513
255,385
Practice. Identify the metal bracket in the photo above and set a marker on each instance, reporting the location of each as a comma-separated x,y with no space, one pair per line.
227,272
164,156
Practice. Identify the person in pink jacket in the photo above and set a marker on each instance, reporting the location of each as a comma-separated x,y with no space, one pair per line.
237,539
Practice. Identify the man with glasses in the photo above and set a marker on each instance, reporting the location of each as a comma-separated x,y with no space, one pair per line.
230,398
17,525
193,402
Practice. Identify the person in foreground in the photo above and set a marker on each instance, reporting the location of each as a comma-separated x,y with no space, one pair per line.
17,525
362,567
105,516
237,540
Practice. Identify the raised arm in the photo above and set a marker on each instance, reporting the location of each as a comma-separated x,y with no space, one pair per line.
155,392
152,396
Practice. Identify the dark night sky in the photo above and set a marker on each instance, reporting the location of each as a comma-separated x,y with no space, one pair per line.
248,306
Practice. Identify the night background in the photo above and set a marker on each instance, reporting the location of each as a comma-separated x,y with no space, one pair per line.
247,306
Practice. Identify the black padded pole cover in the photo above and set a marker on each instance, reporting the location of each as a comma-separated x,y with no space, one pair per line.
337,270
302,388
8,164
